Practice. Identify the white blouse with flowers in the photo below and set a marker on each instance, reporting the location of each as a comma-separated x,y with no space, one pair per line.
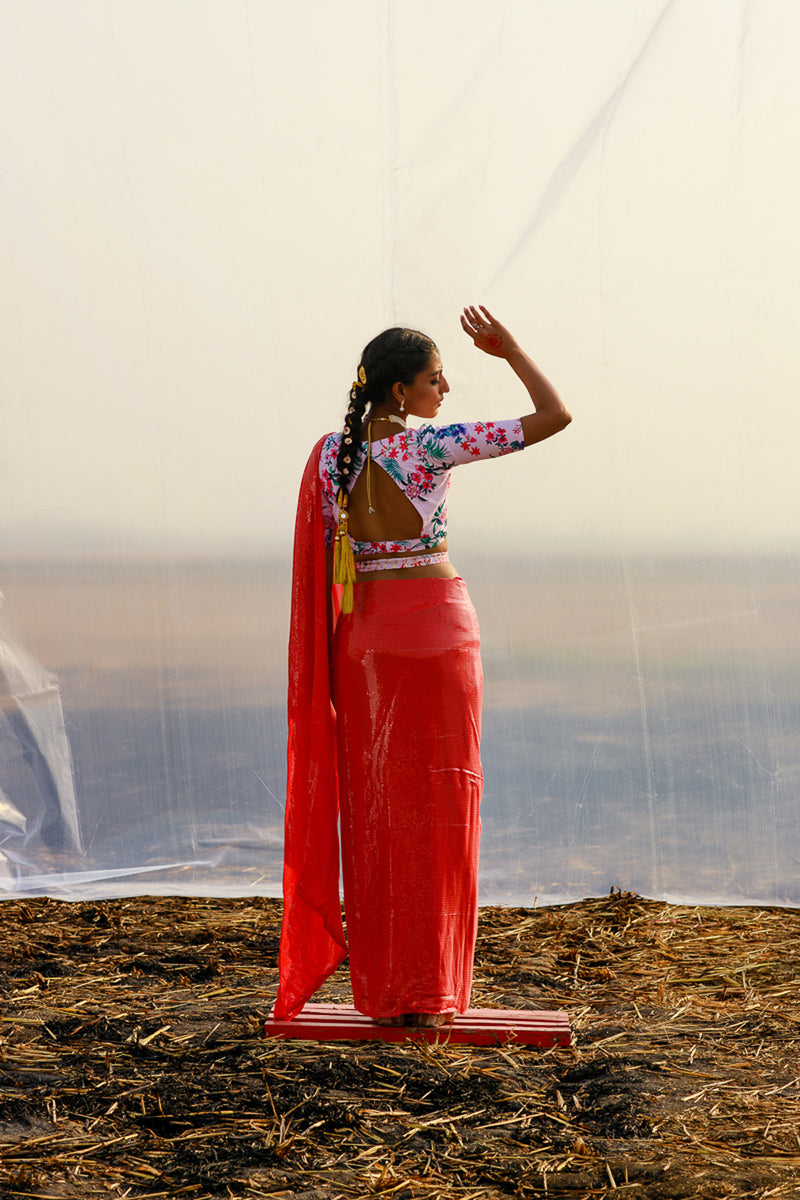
419,461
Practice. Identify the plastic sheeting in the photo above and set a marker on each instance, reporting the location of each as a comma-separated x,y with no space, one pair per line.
207,210
37,805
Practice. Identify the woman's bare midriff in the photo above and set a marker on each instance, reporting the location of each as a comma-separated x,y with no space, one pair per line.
440,570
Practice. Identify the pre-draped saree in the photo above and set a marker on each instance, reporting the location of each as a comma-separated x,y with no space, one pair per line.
400,749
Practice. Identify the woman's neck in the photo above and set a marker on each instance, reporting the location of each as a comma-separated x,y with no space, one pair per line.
394,418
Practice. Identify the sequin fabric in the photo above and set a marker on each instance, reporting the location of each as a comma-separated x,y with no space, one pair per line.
407,692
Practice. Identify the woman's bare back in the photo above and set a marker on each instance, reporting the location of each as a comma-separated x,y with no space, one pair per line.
394,518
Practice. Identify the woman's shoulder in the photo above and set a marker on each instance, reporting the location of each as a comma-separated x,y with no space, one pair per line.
467,428
462,441
454,429
330,447
329,451
468,431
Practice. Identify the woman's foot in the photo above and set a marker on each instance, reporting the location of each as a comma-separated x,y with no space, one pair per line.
429,1020
398,1020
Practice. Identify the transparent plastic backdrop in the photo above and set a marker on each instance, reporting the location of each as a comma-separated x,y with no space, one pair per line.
207,211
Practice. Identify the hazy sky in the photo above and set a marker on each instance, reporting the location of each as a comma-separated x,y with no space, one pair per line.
207,207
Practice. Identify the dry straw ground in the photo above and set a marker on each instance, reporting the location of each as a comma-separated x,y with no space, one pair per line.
133,1062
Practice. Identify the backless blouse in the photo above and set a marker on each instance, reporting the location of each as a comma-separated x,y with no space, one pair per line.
419,461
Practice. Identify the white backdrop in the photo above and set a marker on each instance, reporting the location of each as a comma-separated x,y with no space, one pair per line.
206,209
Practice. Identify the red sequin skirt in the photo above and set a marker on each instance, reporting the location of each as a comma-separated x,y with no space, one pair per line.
407,685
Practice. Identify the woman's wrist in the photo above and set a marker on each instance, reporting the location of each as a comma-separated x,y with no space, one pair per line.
515,353
517,359
542,393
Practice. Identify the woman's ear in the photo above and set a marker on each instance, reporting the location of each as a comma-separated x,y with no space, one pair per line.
399,392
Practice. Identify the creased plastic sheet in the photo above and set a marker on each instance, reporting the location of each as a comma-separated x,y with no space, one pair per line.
640,729
37,801
206,212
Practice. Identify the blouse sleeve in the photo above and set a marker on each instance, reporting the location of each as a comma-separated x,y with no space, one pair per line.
447,446
326,460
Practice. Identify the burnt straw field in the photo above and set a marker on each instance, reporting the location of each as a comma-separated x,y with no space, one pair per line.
133,1061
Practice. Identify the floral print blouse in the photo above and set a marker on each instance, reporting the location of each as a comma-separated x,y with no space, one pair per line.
419,461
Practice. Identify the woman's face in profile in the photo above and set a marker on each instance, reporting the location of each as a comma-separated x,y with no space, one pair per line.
424,395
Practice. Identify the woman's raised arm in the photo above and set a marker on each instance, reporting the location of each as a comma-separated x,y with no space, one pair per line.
550,414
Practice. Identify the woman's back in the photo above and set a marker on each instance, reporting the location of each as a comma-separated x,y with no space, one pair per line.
397,503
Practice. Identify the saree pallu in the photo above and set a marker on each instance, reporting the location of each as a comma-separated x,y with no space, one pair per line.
312,938
407,693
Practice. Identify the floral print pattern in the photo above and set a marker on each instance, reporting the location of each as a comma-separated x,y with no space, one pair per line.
419,461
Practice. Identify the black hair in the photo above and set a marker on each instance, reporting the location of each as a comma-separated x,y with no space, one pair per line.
394,356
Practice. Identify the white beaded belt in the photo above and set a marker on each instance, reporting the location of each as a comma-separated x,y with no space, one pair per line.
393,563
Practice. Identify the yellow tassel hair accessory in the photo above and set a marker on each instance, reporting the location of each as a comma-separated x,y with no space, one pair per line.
344,567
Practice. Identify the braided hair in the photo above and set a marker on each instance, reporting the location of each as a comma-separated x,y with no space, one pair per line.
394,356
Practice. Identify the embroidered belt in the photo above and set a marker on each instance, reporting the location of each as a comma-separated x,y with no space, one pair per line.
395,562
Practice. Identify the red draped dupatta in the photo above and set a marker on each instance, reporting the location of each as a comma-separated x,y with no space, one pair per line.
312,938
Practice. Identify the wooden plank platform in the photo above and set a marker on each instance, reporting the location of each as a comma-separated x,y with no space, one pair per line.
475,1027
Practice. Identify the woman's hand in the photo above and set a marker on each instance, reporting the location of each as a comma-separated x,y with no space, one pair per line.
486,332
549,413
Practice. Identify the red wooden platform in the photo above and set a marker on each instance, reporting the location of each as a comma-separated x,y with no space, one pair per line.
476,1027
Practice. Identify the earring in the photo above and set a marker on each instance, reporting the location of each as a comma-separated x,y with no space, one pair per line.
402,406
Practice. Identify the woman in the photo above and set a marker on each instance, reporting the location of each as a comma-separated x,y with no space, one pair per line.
385,690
